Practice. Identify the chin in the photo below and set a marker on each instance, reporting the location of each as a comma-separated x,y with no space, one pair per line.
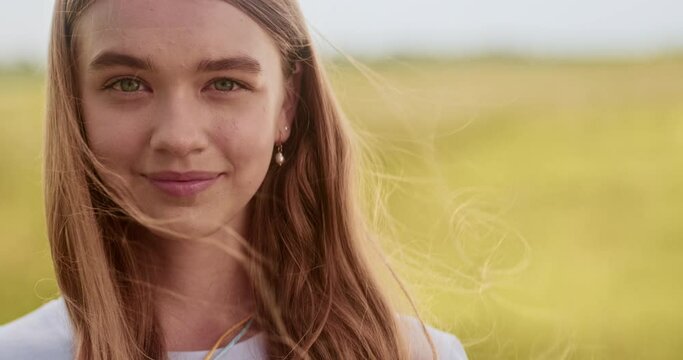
208,214
189,222
183,231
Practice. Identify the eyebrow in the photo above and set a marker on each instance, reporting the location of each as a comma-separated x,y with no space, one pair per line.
243,62
109,59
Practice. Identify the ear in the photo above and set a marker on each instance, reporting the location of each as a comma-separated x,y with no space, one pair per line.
289,104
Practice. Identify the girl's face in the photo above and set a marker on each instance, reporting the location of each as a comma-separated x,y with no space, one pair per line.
184,100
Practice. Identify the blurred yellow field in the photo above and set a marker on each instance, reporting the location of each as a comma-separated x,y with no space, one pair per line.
534,204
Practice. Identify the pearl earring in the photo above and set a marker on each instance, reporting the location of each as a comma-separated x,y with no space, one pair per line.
279,157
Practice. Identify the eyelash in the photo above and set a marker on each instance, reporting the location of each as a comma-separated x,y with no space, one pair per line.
110,85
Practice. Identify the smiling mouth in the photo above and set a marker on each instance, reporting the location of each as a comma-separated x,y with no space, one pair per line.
183,184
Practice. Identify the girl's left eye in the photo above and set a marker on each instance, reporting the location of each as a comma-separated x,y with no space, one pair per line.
225,85
127,85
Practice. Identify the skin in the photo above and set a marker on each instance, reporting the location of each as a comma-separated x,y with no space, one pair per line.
172,117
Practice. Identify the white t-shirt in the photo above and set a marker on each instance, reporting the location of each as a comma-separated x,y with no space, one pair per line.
46,334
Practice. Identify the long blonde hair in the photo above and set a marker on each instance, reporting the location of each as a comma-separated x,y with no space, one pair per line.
315,294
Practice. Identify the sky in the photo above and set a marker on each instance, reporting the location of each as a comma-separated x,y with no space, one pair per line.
437,27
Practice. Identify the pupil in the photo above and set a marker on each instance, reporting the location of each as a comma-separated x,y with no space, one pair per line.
224,84
129,85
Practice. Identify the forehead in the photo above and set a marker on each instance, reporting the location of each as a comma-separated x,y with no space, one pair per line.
172,32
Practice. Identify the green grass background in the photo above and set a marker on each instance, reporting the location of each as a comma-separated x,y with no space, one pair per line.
535,204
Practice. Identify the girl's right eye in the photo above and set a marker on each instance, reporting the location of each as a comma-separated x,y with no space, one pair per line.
126,85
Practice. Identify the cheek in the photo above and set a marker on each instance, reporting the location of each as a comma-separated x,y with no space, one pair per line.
247,142
114,136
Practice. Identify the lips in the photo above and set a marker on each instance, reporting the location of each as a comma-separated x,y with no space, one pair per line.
183,184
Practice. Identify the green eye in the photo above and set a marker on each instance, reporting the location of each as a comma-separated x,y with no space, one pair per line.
127,85
224,85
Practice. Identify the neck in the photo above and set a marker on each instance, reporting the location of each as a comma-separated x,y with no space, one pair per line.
201,290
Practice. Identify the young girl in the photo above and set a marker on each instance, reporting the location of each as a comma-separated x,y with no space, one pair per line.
200,194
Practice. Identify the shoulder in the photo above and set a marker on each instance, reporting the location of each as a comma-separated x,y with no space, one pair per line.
44,333
448,347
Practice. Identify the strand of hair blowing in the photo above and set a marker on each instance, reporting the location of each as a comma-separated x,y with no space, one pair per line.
325,295
112,316
327,300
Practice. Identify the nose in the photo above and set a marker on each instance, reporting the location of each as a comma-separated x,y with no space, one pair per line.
178,129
